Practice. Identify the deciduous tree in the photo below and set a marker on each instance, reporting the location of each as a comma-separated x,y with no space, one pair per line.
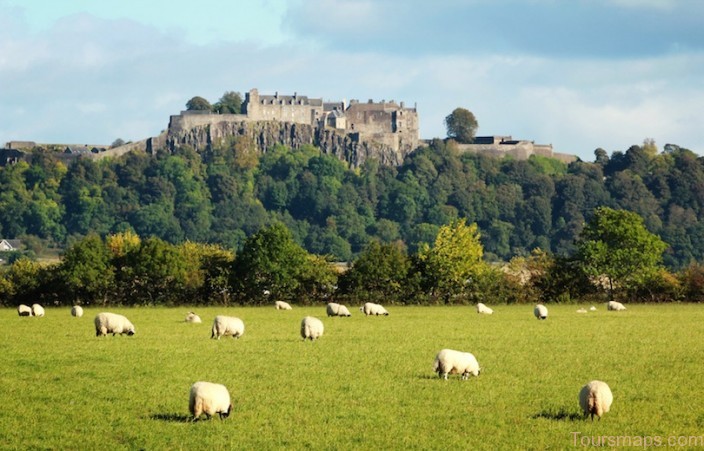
616,245
461,125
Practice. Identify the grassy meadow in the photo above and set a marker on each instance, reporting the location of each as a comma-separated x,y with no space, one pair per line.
366,384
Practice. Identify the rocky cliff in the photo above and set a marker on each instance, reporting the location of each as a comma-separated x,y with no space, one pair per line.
350,147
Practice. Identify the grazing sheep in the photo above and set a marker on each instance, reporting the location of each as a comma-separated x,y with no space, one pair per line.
37,310
24,310
209,398
334,309
371,308
615,306
595,398
77,311
481,308
112,323
582,310
311,328
281,305
592,309
193,318
227,325
540,311
449,361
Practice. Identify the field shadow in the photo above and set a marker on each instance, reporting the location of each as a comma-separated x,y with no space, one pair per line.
171,417
561,414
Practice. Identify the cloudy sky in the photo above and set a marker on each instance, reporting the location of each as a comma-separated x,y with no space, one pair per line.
579,74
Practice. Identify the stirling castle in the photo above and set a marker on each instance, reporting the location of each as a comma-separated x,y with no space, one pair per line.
353,132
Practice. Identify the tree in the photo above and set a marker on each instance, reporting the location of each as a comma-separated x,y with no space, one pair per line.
229,103
452,266
616,245
461,125
198,104
270,261
379,272
87,271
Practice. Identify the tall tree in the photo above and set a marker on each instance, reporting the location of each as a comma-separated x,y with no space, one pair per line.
198,103
452,266
379,272
229,103
271,262
616,245
461,125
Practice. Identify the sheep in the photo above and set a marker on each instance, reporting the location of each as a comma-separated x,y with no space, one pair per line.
481,308
449,361
581,310
311,328
77,311
209,398
37,310
595,398
334,309
592,309
24,310
540,311
373,309
281,305
112,323
193,318
227,325
615,306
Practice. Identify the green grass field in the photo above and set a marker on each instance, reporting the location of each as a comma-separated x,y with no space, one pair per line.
366,384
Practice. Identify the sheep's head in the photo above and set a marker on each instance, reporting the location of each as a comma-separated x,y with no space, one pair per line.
130,332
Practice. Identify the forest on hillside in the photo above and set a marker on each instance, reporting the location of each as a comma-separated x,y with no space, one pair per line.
229,193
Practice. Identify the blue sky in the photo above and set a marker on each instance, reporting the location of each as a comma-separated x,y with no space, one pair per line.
579,74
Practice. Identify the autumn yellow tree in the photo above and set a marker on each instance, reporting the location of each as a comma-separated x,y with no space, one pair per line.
453,265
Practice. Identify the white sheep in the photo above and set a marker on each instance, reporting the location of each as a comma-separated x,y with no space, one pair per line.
112,323
281,305
371,308
595,398
592,309
581,310
37,310
209,398
311,328
481,308
615,306
193,318
334,309
449,361
77,311
227,325
24,310
540,311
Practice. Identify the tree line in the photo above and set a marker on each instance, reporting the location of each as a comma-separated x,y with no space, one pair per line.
616,258
229,192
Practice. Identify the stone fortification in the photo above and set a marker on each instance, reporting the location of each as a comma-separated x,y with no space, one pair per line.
502,146
383,130
386,131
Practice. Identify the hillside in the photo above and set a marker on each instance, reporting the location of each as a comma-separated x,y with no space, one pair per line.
227,193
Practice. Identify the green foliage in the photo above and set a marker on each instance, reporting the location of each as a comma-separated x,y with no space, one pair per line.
616,245
271,262
87,271
452,265
461,125
198,103
230,190
229,103
379,274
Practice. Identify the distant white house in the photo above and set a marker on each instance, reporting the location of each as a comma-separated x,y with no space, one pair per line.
9,245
